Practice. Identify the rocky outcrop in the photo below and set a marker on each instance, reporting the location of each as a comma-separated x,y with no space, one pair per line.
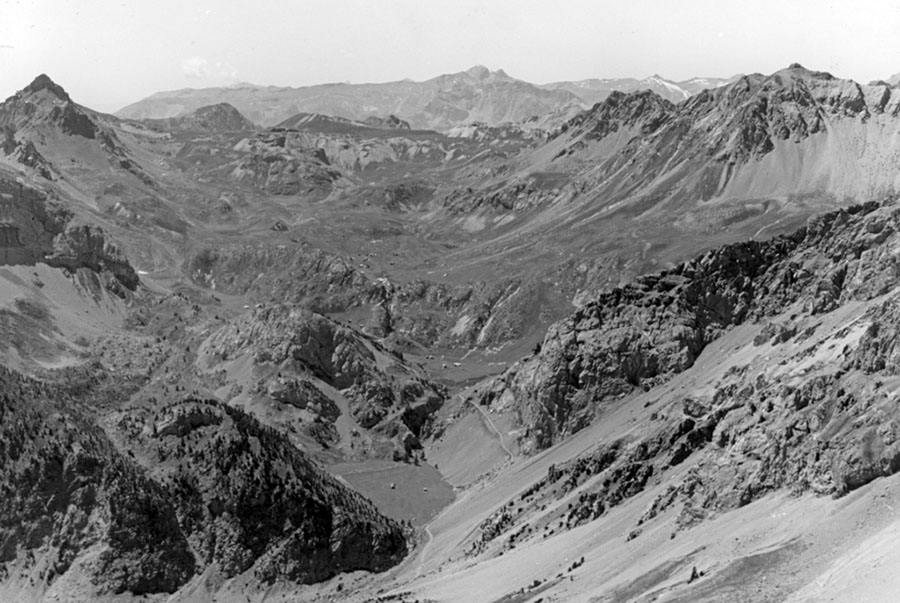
641,334
43,82
74,122
68,491
25,153
425,312
644,110
305,349
45,229
182,419
86,246
636,155
187,486
813,412
303,394
380,323
390,122
37,217
279,171
41,112
323,281
248,499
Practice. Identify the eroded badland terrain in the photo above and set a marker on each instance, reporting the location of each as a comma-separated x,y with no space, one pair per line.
647,350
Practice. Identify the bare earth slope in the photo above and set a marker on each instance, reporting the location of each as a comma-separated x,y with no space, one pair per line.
773,456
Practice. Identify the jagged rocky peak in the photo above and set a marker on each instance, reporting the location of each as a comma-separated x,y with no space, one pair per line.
44,101
43,82
756,111
620,108
639,98
800,70
798,85
32,120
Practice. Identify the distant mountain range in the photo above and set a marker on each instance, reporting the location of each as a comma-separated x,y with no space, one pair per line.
475,95
442,102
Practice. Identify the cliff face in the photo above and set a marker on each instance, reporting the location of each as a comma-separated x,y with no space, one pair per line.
798,395
85,246
642,334
47,233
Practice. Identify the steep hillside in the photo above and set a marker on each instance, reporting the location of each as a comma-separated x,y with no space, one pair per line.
763,136
192,485
747,432
635,184
767,135
73,502
37,119
644,333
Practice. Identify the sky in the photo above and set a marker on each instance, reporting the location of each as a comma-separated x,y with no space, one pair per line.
108,53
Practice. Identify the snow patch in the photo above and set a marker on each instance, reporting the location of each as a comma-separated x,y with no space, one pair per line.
461,325
658,81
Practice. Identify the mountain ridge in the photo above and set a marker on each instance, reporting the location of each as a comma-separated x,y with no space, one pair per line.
474,95
458,91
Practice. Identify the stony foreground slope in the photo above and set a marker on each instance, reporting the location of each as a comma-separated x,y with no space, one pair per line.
731,392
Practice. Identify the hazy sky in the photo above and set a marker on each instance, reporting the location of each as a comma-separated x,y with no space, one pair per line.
109,53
